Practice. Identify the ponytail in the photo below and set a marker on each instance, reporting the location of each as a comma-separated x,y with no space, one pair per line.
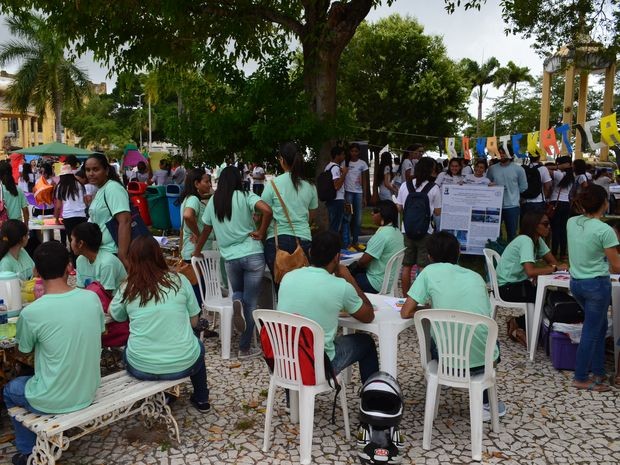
11,233
294,161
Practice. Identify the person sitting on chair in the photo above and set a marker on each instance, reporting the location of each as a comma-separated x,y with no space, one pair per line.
445,285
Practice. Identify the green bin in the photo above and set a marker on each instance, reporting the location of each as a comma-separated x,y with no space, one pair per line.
158,206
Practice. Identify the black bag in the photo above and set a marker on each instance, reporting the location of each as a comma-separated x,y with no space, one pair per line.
325,185
560,307
416,212
534,183
137,226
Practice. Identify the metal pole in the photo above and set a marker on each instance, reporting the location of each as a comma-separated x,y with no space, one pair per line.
141,108
150,140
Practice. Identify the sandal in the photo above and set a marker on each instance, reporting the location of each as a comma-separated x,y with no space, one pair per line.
521,337
593,386
600,379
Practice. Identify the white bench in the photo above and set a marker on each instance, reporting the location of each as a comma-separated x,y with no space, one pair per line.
119,396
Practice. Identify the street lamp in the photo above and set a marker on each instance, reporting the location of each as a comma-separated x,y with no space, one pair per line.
140,103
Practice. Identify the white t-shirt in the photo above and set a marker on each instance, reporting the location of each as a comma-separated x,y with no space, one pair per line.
91,190
472,179
336,173
353,179
467,170
434,198
258,171
384,192
545,177
23,185
406,164
74,207
445,178
583,178
604,182
557,177
397,178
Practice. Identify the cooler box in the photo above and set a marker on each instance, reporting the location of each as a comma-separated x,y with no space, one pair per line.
136,192
158,207
173,192
563,352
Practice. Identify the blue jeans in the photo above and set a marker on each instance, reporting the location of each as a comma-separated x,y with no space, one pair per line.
15,396
362,281
594,296
335,209
287,243
352,223
197,374
510,218
246,275
358,347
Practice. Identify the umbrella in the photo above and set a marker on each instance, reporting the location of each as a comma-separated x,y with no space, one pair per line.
54,148
132,155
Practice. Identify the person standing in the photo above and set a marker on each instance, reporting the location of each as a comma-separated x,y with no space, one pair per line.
69,202
563,180
14,200
383,179
178,172
335,207
536,201
355,198
258,179
512,178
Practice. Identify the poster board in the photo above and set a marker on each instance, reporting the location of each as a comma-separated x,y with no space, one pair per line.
472,213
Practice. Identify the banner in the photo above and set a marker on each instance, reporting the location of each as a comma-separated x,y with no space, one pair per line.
516,146
609,130
450,150
492,146
532,141
564,132
472,213
503,140
549,141
465,145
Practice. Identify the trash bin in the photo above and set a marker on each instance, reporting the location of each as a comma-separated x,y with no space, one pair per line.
158,207
136,192
173,191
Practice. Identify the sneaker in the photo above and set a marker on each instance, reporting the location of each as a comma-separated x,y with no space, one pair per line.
352,249
238,319
363,436
249,353
20,459
486,410
202,407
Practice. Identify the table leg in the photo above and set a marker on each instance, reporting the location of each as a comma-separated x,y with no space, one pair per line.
46,235
615,312
534,328
388,350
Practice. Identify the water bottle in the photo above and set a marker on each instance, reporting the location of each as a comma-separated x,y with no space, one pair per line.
39,289
4,320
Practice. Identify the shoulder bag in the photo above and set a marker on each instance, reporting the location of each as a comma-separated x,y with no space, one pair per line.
137,226
552,206
4,213
285,261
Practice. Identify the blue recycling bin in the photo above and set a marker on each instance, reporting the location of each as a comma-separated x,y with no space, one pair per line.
173,192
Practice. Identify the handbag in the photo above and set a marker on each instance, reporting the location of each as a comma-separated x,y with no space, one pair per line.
4,213
551,207
137,226
285,261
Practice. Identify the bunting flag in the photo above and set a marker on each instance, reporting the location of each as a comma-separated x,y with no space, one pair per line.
584,137
503,140
492,146
481,144
564,132
465,146
532,141
549,141
516,146
609,130
587,126
450,150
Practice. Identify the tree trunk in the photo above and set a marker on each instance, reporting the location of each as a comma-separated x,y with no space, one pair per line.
58,123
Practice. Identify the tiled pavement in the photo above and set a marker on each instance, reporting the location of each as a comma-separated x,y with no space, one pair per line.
547,422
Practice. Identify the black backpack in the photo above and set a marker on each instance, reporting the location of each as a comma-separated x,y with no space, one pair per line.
416,212
325,185
560,307
534,183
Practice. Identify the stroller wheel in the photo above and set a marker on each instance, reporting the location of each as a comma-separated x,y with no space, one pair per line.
363,435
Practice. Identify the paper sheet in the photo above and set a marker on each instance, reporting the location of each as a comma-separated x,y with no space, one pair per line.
395,303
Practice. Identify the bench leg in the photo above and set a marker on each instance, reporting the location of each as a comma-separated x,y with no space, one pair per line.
155,408
47,450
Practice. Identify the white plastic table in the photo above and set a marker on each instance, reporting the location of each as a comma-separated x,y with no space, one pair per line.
387,325
563,280
47,230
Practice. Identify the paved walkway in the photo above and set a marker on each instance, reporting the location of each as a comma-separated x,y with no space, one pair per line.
547,422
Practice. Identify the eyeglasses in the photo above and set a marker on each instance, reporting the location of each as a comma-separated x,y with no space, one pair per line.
546,224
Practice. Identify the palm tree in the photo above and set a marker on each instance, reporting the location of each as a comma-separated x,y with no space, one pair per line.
45,76
510,76
480,76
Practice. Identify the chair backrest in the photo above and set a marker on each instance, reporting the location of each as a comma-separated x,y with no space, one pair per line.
390,278
207,269
492,259
284,330
453,333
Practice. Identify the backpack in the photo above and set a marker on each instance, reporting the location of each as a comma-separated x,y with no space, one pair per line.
416,212
117,332
325,185
534,183
561,307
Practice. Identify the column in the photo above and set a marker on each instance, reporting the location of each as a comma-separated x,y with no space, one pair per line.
567,112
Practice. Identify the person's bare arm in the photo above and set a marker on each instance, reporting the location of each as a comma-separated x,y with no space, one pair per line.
409,308
311,215
267,214
193,320
613,258
26,215
340,181
365,313
189,217
202,238
548,189
124,235
365,260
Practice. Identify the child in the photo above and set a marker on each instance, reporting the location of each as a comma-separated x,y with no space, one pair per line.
13,257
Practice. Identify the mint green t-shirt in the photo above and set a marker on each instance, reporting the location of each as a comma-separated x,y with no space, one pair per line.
198,206
233,235
64,331
587,240
161,339
298,202
22,266
14,203
381,247
107,269
315,294
517,253
452,287
117,199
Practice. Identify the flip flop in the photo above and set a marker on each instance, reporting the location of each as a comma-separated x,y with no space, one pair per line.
594,387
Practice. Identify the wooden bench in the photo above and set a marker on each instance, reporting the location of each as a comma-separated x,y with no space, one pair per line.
118,397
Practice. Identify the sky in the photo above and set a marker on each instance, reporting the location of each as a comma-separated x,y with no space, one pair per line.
473,34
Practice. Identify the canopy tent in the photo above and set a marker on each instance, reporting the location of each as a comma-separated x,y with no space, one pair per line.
132,156
54,148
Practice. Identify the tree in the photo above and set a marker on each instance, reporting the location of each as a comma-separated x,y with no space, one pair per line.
46,76
511,76
395,80
221,32
480,75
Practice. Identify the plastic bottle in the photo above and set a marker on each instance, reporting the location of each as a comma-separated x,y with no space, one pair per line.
39,290
4,320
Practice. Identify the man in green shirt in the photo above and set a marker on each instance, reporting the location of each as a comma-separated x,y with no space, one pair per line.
63,328
446,285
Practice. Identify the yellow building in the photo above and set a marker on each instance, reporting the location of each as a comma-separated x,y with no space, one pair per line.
26,130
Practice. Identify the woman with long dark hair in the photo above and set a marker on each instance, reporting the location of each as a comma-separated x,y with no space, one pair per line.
383,180
563,181
111,201
162,309
13,257
230,214
453,175
14,200
592,251
69,201
26,178
162,176
299,201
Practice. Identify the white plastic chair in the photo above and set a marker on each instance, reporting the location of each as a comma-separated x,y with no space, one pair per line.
392,269
283,330
208,267
492,258
454,331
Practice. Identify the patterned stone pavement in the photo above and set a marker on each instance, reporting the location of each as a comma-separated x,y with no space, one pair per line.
547,421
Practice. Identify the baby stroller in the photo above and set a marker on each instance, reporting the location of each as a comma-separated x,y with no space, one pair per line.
381,409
